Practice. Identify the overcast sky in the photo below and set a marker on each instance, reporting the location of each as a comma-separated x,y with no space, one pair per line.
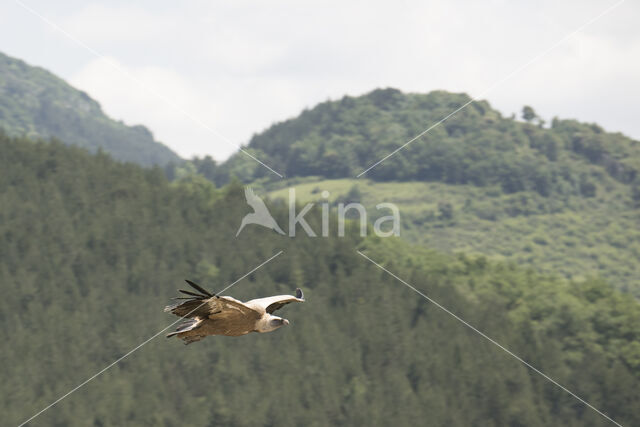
204,75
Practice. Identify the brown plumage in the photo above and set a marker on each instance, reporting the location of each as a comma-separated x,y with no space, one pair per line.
208,314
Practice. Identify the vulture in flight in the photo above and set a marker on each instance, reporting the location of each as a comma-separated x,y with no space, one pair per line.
208,314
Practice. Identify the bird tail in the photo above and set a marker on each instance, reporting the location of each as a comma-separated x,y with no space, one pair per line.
187,325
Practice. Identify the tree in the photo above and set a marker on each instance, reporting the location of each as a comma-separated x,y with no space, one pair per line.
635,192
528,113
587,187
97,248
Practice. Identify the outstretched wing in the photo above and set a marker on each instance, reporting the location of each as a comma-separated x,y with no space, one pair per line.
213,308
207,305
254,201
271,304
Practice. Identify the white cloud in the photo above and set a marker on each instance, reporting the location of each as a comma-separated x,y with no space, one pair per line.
102,23
239,67
159,98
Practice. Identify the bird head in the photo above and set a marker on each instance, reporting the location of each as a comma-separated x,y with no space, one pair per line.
275,322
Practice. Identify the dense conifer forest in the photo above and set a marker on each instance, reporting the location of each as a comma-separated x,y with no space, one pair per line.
92,249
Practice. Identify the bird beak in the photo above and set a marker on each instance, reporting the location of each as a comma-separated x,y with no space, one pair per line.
285,322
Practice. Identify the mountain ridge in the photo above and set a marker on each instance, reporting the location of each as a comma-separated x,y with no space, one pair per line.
38,104
477,145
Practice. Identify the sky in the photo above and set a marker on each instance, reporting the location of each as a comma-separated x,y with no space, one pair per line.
204,76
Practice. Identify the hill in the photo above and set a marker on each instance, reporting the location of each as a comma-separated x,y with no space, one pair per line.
340,139
37,104
561,198
91,250
577,237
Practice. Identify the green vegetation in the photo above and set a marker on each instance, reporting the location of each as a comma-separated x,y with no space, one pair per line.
476,146
35,103
575,236
511,225
91,250
562,199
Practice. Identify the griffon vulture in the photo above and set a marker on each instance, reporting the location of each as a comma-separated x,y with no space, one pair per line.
209,314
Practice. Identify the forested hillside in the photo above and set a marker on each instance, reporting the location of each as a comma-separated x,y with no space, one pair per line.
560,197
91,250
36,103
574,236
475,146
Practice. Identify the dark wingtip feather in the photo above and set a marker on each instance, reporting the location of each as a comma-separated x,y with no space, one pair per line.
299,293
193,294
199,288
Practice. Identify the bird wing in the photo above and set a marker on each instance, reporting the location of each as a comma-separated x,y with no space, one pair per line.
204,305
271,304
215,307
254,201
